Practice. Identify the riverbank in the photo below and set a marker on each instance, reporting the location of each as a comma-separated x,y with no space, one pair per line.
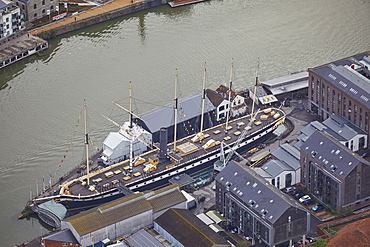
94,16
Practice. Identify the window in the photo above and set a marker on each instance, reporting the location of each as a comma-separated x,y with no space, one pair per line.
43,2
35,7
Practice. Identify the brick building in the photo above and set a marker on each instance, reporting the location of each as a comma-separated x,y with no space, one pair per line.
36,9
342,87
258,209
334,174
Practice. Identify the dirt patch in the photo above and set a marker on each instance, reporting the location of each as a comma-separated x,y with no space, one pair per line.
354,234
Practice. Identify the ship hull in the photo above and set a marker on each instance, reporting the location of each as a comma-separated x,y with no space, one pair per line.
157,180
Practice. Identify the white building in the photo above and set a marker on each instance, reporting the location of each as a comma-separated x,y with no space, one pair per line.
116,146
11,20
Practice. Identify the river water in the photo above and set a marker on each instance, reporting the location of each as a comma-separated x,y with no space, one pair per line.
41,98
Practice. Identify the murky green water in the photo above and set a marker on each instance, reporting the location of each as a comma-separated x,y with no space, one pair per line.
41,97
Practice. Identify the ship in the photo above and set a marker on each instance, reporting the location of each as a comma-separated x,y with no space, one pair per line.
93,184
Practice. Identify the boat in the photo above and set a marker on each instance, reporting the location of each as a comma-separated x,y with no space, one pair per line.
92,184
179,3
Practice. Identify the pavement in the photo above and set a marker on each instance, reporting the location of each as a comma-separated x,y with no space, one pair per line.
95,11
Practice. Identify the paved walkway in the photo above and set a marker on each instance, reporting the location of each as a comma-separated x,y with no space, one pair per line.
95,11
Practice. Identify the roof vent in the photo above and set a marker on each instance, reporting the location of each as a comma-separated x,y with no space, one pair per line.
350,163
271,201
321,143
337,152
248,183
254,185
259,191
236,173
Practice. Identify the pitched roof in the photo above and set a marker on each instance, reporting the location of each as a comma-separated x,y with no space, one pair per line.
214,97
188,108
186,228
63,236
143,239
261,197
275,167
97,218
335,157
166,197
341,75
341,128
289,155
126,207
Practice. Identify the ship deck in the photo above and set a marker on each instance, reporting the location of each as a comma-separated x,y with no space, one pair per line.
107,178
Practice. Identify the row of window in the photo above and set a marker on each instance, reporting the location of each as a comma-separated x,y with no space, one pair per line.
334,104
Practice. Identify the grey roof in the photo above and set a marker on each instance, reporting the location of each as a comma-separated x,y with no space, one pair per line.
63,236
248,186
188,108
335,157
336,126
143,239
56,208
289,155
287,83
348,80
3,4
275,167
188,229
342,128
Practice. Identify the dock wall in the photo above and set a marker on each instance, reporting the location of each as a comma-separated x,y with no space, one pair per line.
78,24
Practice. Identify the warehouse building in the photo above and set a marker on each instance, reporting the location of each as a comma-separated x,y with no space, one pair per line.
123,216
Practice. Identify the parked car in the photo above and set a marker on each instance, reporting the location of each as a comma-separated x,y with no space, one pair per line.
304,198
309,202
318,207
300,242
289,189
311,239
298,194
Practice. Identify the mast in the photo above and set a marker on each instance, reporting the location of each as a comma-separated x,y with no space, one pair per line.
229,108
130,125
86,146
175,111
255,86
203,100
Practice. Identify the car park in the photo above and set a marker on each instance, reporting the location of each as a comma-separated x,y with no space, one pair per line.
311,239
289,189
298,194
318,207
308,202
306,242
304,198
